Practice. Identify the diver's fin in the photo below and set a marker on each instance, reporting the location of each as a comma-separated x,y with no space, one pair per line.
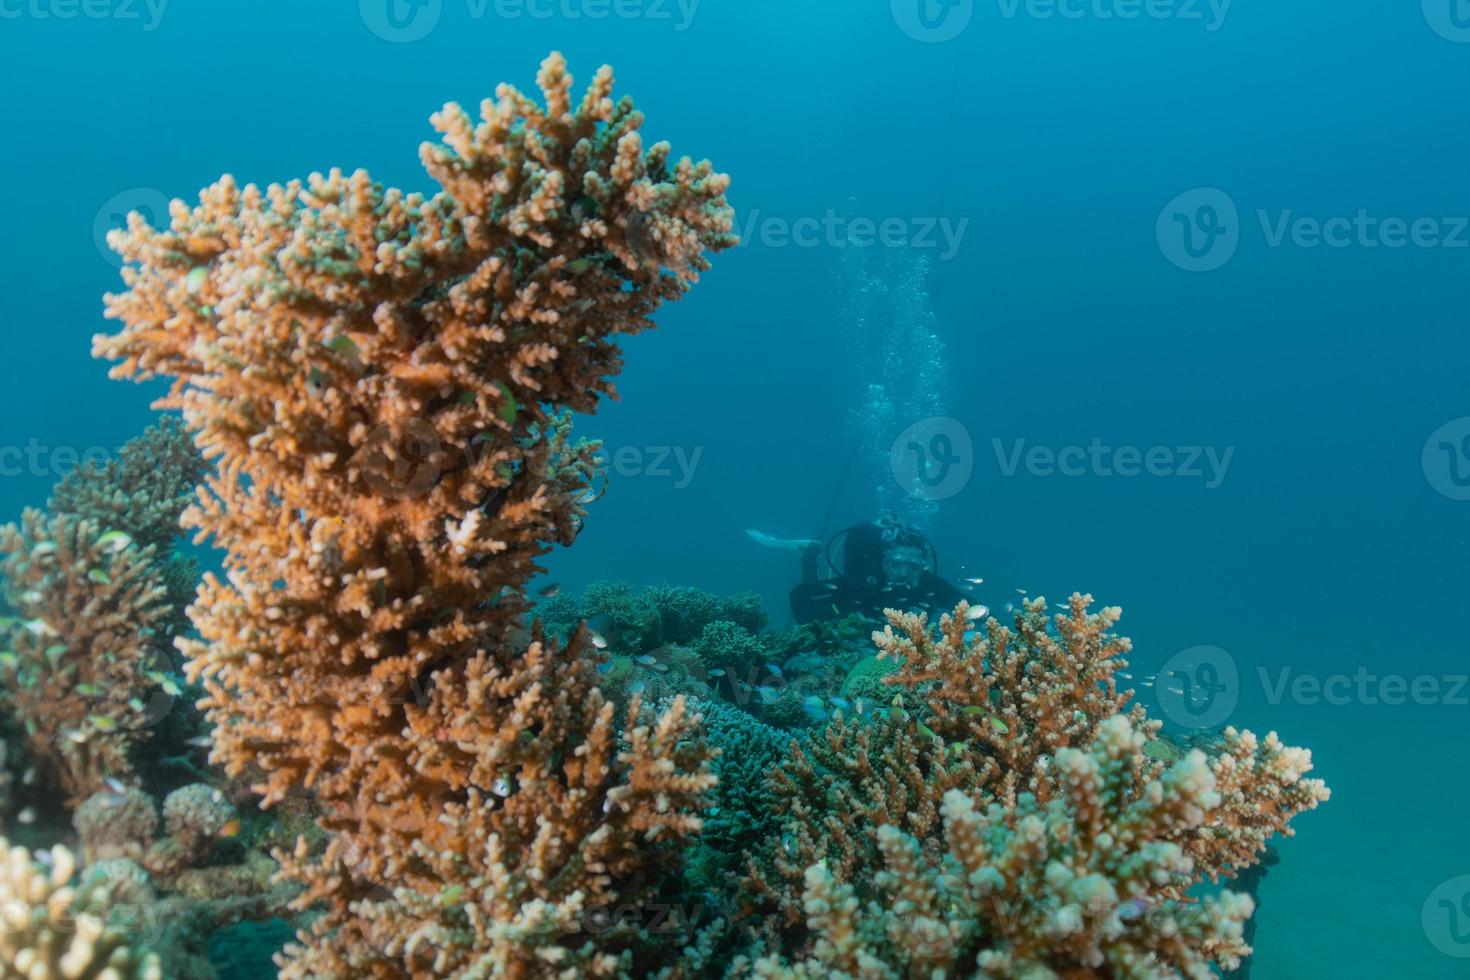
766,541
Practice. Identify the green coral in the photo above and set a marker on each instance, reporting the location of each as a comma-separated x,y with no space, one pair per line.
731,647
865,680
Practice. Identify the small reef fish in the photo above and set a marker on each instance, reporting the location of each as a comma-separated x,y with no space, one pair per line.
116,540
599,641
813,708
115,784
39,627
975,581
550,592
99,577
977,612
27,816
231,828
717,672
803,662
775,670
647,660
43,549
840,702
201,742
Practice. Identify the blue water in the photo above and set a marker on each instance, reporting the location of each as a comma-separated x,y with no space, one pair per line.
1326,546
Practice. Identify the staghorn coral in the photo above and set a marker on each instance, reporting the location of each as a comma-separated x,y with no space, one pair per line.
141,491
55,926
1023,827
80,665
379,377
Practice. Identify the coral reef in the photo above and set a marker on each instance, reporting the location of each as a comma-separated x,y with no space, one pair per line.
379,378
1014,820
638,620
142,491
78,666
116,825
56,926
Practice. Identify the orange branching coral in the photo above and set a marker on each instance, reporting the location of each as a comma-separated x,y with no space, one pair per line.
1069,852
77,671
979,714
379,376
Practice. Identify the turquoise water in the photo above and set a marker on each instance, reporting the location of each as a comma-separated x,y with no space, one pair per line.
1231,241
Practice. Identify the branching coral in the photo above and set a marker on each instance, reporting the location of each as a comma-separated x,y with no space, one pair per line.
77,674
142,491
378,375
1015,821
57,927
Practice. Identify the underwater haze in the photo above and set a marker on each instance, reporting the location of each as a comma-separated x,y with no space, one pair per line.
1160,301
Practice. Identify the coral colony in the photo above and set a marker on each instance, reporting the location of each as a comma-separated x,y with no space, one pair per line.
366,733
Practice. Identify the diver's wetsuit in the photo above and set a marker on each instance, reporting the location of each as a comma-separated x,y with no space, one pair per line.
863,588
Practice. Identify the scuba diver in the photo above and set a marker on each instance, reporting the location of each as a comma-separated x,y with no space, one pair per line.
875,565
